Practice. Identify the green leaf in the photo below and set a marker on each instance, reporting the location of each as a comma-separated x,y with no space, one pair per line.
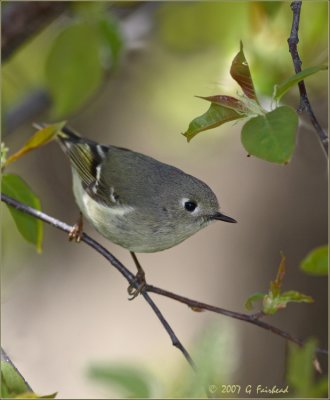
31,228
215,116
253,298
12,383
271,137
294,296
316,262
132,381
300,372
282,88
40,138
73,67
240,71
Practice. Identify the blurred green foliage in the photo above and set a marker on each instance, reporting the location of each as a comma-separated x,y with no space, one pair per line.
316,262
301,372
57,58
264,26
214,353
131,380
73,71
69,59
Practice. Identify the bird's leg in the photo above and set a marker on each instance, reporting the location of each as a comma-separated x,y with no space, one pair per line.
140,278
77,229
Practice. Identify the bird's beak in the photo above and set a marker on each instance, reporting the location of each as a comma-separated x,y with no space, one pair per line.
222,217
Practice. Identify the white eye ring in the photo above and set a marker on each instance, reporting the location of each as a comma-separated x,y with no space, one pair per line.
190,205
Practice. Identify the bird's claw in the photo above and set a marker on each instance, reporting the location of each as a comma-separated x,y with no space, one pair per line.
134,290
77,231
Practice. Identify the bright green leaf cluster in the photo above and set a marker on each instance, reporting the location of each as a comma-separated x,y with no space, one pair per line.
300,372
316,262
270,136
275,300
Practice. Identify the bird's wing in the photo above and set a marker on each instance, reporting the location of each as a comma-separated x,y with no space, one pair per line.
88,158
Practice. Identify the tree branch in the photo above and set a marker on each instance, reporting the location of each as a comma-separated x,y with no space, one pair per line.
194,304
21,20
111,258
252,319
305,105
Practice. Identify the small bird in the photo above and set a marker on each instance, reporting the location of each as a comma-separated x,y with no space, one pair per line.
134,200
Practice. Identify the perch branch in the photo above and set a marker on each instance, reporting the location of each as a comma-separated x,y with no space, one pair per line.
305,105
111,258
194,304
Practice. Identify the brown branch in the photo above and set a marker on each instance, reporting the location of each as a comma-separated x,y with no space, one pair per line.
21,20
194,304
252,319
305,105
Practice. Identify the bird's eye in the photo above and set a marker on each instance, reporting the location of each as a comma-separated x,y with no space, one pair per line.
190,206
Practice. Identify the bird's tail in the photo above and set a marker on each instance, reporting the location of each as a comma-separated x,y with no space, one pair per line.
84,154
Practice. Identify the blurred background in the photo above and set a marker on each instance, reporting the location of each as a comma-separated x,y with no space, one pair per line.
126,73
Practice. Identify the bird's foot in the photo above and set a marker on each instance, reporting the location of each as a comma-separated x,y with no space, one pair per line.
77,230
137,285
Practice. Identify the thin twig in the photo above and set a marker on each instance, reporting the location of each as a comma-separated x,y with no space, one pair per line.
194,304
305,105
111,258
252,319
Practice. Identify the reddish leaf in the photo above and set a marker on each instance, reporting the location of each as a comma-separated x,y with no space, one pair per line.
226,101
240,71
276,285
